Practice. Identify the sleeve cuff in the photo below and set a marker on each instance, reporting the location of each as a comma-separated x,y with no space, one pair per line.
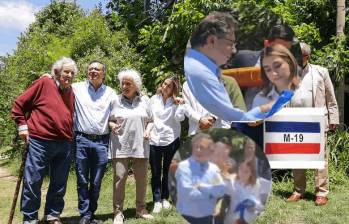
23,127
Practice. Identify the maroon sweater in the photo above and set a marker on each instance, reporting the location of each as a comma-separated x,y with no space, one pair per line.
46,109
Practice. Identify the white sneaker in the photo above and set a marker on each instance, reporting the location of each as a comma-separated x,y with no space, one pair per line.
118,218
166,204
144,215
157,207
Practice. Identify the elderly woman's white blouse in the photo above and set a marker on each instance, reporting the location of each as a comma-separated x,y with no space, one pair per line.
129,141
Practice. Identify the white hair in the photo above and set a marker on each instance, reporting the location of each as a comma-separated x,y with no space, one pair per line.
306,48
58,66
134,75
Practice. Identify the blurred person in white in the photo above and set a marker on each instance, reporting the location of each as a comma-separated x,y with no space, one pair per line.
128,121
245,204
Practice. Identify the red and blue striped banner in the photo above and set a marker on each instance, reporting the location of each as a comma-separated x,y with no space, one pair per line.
291,137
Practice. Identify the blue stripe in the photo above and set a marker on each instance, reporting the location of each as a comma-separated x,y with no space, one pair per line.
289,126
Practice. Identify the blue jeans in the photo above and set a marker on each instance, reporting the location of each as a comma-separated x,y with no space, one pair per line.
160,159
91,162
45,155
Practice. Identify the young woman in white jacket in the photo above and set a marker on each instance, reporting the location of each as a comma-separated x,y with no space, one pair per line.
164,135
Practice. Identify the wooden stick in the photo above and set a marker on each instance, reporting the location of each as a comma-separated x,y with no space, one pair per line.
18,184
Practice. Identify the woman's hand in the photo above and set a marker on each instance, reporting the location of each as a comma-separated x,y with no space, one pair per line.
146,135
114,127
179,100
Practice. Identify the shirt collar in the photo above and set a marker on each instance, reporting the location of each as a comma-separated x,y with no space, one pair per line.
197,164
130,102
305,70
205,60
168,101
273,94
101,88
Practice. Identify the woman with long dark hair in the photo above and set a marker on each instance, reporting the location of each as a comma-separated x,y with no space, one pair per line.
164,135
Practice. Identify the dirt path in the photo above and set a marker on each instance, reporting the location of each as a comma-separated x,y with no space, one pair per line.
5,175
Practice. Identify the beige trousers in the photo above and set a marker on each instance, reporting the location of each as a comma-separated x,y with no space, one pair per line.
321,178
120,167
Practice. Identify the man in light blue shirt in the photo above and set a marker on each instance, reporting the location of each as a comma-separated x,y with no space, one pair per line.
213,42
199,183
93,104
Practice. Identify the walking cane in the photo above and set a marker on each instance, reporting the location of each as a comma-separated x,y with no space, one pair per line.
18,185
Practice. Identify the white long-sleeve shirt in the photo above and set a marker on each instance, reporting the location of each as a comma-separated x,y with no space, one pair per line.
167,117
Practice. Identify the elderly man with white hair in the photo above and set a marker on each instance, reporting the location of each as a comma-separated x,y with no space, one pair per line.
129,118
48,132
317,91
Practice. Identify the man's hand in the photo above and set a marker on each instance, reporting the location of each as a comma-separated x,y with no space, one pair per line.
24,135
266,107
46,75
206,122
255,123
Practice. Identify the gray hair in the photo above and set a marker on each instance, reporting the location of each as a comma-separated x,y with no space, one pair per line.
104,66
200,136
58,66
134,75
216,23
305,48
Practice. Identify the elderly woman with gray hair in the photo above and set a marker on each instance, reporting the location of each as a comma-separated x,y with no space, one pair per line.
128,121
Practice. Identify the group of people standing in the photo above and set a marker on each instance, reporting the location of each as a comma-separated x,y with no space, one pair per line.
55,116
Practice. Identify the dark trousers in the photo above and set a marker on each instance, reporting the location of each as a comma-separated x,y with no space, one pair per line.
91,161
54,156
201,220
160,160
255,133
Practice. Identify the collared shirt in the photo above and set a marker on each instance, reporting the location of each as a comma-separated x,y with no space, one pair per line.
261,98
303,96
203,77
195,111
134,116
92,108
167,118
198,187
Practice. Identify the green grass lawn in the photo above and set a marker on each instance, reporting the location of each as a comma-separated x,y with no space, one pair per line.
277,210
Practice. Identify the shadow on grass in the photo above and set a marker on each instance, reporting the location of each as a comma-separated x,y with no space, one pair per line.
128,213
285,194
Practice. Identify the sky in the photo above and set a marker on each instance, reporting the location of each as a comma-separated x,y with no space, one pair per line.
16,15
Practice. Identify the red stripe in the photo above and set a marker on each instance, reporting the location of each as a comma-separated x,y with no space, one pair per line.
292,148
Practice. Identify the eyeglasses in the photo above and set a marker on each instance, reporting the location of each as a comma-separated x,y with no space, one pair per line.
232,42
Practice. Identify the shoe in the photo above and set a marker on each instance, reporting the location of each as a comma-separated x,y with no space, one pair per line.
84,220
294,197
320,200
144,215
118,218
166,204
55,221
157,207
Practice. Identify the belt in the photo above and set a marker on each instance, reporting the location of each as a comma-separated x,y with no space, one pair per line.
92,137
